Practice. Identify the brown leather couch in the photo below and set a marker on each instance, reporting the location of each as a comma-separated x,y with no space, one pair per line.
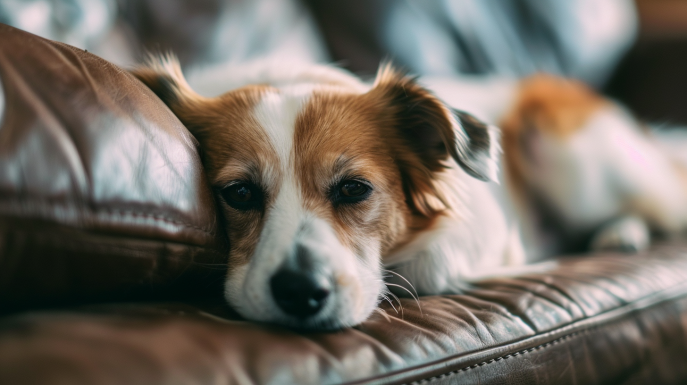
111,269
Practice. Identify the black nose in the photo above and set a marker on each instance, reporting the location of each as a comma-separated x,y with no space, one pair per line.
298,293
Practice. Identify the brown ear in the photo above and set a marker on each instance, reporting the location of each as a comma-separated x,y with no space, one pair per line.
436,131
431,132
163,75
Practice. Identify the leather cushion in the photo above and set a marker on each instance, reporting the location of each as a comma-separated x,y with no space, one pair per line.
600,319
102,193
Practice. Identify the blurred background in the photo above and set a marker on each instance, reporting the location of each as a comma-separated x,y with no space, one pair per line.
633,50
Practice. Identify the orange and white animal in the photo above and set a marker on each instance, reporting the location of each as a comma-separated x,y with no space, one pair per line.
606,180
324,179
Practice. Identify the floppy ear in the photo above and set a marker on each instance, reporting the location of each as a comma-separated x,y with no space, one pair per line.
433,130
427,133
162,74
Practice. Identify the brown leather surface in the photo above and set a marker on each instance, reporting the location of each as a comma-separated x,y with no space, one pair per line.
102,192
601,319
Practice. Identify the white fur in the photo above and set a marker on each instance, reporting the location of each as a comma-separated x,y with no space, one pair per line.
486,98
475,236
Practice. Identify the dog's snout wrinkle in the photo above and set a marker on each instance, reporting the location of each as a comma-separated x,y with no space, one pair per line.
300,293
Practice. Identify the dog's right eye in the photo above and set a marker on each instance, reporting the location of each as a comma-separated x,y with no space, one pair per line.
350,191
242,196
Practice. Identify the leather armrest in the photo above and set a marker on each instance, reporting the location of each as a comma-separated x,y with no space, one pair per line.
102,192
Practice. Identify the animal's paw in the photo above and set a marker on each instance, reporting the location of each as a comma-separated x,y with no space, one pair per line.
627,234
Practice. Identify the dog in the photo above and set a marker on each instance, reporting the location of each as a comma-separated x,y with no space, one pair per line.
324,179
588,173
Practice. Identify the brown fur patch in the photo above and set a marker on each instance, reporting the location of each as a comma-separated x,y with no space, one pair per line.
340,136
418,127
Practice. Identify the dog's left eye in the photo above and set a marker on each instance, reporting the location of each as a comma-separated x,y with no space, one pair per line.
351,191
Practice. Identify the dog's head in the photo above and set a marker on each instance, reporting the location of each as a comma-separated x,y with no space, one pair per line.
318,180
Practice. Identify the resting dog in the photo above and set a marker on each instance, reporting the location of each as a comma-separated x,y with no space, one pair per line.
586,173
322,179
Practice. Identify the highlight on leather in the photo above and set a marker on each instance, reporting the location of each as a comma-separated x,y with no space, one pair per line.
2,101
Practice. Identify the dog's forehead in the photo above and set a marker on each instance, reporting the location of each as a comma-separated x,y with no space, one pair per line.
326,125
276,114
300,132
341,132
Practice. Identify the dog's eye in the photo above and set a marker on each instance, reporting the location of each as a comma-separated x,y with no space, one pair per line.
242,196
351,191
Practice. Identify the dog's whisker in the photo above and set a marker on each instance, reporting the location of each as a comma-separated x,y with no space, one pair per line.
382,312
417,300
390,303
400,305
403,278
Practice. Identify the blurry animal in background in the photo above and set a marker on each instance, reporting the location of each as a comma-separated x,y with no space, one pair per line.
586,173
322,179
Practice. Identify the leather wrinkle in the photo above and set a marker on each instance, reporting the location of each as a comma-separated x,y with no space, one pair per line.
531,299
505,309
587,281
571,304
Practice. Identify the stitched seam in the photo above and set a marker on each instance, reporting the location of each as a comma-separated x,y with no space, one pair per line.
124,213
501,358
98,246
156,217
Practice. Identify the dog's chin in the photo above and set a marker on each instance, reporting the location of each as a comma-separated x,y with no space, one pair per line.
345,311
326,322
